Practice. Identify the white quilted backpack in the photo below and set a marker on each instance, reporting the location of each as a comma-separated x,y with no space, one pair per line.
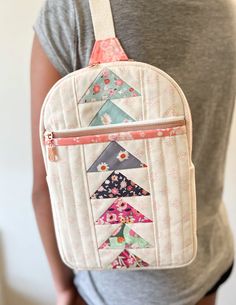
116,138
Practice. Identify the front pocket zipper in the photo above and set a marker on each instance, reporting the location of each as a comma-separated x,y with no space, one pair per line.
118,132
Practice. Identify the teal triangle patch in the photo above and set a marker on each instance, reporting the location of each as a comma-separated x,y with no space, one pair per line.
108,85
124,237
109,113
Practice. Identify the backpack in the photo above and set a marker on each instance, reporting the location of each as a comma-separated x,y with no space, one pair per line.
116,138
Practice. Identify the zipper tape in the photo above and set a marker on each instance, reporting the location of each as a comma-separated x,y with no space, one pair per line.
129,126
51,142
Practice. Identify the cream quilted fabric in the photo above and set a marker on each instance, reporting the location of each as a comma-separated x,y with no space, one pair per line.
168,239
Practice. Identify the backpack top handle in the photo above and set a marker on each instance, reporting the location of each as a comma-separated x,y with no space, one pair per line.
107,47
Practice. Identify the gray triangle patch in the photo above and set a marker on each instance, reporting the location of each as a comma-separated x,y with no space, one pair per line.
115,157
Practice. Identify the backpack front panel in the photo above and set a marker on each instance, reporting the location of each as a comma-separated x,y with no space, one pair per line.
123,190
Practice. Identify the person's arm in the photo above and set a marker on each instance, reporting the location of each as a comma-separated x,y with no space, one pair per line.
43,76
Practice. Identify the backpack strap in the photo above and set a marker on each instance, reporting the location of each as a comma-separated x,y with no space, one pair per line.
107,47
102,19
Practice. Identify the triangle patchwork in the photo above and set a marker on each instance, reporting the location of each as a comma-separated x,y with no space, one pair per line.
108,85
115,157
128,260
124,237
109,113
118,185
121,212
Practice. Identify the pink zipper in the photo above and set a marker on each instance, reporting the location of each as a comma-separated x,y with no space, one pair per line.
130,131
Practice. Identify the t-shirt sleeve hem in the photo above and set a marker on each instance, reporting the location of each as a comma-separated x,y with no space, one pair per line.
52,56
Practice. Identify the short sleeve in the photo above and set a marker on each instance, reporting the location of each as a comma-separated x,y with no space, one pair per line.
56,30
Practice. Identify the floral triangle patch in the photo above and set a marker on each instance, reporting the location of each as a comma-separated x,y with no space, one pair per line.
124,237
110,113
128,260
108,85
121,212
117,185
115,157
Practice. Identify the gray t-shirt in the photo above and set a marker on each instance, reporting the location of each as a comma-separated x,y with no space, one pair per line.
193,41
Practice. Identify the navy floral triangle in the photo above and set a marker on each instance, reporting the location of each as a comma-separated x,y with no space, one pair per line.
117,185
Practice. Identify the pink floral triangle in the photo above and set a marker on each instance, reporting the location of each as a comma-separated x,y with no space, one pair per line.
107,50
128,260
121,212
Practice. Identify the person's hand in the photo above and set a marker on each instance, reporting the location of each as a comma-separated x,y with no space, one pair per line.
69,296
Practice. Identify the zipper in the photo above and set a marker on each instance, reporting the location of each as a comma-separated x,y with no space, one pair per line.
53,139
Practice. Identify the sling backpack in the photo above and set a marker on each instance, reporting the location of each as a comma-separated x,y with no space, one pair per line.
116,138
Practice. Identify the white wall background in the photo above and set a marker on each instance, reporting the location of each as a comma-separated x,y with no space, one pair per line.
24,274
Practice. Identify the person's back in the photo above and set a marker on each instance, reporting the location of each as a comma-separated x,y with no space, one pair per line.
193,41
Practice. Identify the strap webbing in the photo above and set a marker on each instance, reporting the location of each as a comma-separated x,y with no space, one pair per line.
102,19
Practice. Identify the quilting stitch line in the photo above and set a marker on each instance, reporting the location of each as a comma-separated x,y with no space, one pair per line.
93,233
76,103
142,93
62,194
71,183
155,225
89,206
180,195
167,198
154,206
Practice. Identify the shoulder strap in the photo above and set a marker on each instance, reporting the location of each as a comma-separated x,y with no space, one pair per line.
107,47
102,19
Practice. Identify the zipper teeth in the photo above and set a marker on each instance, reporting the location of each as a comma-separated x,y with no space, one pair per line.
115,129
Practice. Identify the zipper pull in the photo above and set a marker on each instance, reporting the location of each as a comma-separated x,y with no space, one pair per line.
51,148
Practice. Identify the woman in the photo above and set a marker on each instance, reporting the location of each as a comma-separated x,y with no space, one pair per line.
193,41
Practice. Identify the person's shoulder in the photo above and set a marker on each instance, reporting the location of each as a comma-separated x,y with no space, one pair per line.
55,27
59,7
59,3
